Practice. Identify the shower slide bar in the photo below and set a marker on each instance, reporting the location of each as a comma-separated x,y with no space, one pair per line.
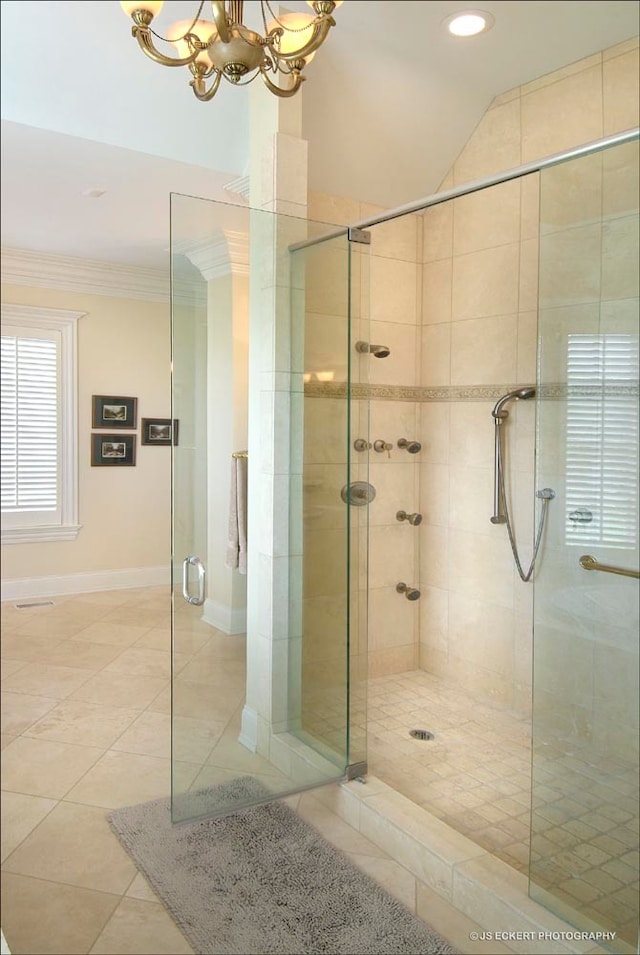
587,562
476,185
499,414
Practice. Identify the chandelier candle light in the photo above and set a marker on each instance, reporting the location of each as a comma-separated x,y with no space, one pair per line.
225,47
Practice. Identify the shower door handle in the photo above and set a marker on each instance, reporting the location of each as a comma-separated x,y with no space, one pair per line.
587,562
196,562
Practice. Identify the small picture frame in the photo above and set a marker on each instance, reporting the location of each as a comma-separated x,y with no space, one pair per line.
113,450
113,411
160,431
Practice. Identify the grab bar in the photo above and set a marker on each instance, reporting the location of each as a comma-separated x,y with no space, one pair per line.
587,562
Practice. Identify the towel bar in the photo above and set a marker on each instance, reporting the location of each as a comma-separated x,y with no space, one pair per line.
240,454
587,562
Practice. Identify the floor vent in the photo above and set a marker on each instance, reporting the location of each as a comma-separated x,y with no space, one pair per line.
34,603
421,734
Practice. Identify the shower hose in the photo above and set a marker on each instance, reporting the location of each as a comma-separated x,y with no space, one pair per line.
545,495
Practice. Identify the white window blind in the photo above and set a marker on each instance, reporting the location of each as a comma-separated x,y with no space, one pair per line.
602,439
29,435
38,424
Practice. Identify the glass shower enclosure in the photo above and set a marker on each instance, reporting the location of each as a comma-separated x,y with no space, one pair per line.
270,667
584,830
267,556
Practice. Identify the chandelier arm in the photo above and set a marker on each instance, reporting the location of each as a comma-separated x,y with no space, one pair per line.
143,36
320,33
201,92
299,80
285,68
220,20
193,23
264,17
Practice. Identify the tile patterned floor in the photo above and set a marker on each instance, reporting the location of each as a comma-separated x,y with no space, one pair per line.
85,728
475,775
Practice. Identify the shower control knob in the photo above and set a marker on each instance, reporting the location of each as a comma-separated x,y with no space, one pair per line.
361,445
381,446
358,493
582,515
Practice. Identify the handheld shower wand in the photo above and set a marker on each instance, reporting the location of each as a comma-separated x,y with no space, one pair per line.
500,504
498,413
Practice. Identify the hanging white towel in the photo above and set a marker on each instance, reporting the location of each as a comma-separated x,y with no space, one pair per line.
237,542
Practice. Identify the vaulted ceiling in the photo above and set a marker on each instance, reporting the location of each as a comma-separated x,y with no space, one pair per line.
389,102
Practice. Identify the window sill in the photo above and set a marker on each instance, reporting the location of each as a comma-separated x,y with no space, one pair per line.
40,534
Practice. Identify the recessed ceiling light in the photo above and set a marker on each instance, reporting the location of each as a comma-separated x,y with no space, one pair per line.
469,22
93,193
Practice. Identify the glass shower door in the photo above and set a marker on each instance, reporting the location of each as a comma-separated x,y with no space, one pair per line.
260,665
584,839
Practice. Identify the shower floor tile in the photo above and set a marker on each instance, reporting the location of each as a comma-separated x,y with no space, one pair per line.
475,774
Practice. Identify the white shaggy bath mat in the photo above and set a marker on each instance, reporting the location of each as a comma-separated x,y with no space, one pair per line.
262,882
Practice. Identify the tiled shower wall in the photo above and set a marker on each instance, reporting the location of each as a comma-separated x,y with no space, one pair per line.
479,316
478,341
390,314
454,296
587,630
394,546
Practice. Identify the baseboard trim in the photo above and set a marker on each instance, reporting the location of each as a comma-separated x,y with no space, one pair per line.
60,585
228,619
249,729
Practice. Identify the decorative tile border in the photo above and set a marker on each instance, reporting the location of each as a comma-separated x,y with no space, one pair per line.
338,389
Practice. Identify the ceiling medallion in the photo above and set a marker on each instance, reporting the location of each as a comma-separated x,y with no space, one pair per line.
225,47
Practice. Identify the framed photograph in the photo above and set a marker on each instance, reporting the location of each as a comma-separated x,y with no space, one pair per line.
113,450
160,431
112,411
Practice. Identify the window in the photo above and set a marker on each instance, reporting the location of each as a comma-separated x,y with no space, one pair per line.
602,439
38,424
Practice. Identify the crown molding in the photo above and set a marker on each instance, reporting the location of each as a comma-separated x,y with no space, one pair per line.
239,187
224,253
92,276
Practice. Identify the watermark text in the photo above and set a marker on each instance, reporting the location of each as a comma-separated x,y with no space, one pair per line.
572,936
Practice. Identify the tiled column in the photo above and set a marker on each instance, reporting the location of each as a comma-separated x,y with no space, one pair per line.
278,184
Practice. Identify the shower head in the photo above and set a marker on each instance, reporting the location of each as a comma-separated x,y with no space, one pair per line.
378,351
411,446
526,392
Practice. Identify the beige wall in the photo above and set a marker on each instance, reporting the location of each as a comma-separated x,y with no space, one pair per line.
123,349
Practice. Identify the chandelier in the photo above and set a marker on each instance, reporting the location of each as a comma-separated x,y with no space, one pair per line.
225,47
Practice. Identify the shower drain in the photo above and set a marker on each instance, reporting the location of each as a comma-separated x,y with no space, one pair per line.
421,734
